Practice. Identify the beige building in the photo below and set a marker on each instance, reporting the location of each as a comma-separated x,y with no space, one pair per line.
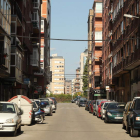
57,66
68,87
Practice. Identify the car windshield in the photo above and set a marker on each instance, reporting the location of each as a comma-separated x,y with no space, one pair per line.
34,105
106,104
82,100
116,106
37,102
46,102
51,102
7,108
137,107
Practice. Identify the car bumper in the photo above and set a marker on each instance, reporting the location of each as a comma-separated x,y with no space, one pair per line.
82,105
47,111
115,118
7,127
137,125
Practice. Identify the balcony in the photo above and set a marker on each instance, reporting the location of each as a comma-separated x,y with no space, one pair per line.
36,4
132,60
16,11
35,24
41,72
34,62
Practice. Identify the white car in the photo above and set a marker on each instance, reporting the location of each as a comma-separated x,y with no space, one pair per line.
103,109
10,118
52,104
48,108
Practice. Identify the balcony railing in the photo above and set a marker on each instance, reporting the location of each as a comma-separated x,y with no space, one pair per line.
16,11
36,5
35,24
39,73
34,62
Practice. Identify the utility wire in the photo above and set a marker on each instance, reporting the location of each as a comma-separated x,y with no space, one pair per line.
71,39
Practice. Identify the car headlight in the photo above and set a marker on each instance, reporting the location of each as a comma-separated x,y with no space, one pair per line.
10,121
137,118
109,114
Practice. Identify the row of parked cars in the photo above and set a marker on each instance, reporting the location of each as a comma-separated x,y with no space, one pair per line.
20,110
111,111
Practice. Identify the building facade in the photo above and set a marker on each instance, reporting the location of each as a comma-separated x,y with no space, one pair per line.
77,81
68,87
57,66
96,67
83,59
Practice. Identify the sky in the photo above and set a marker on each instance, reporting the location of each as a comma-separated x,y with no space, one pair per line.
69,21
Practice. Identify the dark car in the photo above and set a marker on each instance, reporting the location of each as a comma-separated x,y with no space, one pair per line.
74,100
114,112
87,105
133,119
82,102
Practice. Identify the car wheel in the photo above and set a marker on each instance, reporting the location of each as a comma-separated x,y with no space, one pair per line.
19,129
41,119
133,133
105,120
123,125
15,132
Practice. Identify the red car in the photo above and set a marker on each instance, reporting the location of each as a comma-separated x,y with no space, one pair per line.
99,108
91,106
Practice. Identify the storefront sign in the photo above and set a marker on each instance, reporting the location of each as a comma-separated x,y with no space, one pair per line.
99,94
26,81
107,88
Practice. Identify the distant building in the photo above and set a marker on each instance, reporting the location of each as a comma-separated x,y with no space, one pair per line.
77,80
83,59
68,85
57,66
73,87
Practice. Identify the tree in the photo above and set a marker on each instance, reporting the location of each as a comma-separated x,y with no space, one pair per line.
85,78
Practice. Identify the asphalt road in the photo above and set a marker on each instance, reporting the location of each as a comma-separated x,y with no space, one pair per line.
71,123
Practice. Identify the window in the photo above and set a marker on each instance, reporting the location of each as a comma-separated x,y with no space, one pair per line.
98,36
137,7
128,51
98,8
137,41
34,16
122,27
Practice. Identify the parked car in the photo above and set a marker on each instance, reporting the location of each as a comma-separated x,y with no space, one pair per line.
48,108
55,102
114,112
82,102
103,109
133,119
91,106
96,105
74,100
10,118
51,101
87,105
99,108
35,109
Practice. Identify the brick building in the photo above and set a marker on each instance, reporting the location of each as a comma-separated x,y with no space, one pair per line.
124,46
96,78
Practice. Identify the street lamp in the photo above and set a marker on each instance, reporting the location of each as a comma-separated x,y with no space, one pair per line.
130,16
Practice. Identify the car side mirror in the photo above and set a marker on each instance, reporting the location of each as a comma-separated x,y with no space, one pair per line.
20,112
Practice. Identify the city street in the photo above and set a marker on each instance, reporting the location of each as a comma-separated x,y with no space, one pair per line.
72,123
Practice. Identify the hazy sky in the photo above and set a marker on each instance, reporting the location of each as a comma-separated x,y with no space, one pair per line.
69,21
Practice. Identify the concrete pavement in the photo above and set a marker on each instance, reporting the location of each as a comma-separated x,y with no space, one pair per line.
72,123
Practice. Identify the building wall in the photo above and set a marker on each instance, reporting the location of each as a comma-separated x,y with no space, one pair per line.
58,74
68,87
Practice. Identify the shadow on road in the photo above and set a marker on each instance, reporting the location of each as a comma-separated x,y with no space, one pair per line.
10,134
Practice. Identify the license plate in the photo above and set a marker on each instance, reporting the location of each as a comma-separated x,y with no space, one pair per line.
118,117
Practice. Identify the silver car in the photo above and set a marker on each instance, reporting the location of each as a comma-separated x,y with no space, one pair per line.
48,109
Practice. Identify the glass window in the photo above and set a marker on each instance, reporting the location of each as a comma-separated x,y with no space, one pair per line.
137,7
7,108
98,7
98,36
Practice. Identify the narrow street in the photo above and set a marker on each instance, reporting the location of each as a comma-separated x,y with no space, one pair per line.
72,123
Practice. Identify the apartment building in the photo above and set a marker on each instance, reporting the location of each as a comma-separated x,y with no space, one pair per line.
72,86
68,87
107,49
126,70
77,80
96,77
83,58
57,66
5,49
90,19
43,76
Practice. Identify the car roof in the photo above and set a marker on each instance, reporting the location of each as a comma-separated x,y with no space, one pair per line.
7,102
